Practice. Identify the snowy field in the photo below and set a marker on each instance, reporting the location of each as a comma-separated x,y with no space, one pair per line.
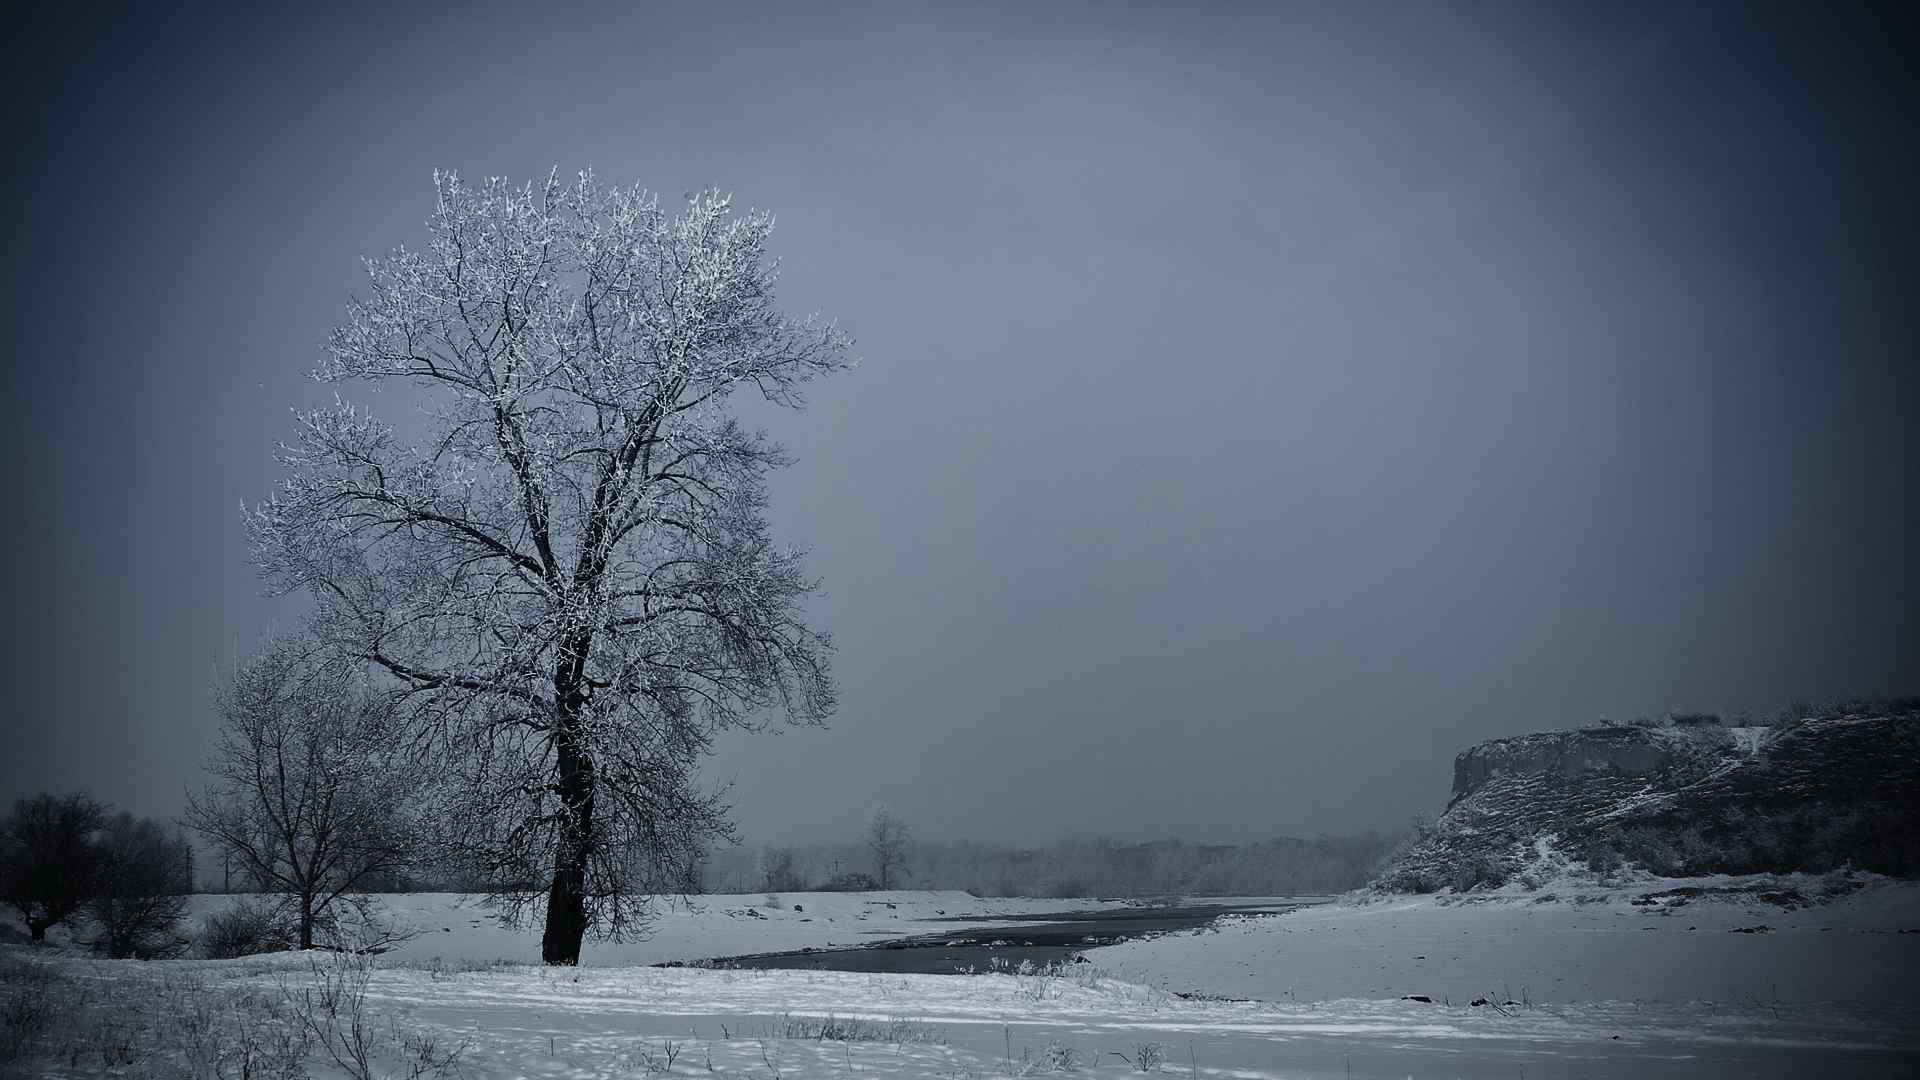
1560,945
1613,989
458,928
619,1022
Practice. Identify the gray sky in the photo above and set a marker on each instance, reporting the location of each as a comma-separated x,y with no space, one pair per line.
1260,404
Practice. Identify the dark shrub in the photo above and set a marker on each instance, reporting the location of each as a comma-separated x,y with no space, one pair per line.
27,1008
142,883
48,859
1601,858
1477,872
853,882
246,928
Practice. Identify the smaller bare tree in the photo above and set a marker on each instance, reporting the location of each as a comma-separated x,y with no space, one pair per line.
310,785
889,839
777,873
142,881
47,858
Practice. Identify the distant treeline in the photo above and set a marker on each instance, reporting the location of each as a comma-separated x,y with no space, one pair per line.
1283,866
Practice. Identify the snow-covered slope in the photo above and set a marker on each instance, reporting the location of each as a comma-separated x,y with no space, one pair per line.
1709,939
1830,791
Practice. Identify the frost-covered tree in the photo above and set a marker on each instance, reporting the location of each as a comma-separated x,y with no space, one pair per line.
311,787
888,839
568,569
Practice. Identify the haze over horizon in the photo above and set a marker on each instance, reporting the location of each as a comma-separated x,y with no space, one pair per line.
1258,405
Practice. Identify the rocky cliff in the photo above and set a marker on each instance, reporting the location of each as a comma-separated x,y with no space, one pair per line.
1838,787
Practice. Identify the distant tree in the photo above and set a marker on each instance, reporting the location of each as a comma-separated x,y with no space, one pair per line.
185,848
310,788
888,840
141,884
47,858
570,573
1105,867
693,870
777,873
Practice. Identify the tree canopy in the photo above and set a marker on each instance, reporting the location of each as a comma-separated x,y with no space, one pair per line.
568,573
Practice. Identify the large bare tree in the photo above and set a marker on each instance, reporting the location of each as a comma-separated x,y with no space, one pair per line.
568,570
311,791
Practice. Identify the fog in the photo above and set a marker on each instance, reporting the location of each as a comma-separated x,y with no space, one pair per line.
1258,404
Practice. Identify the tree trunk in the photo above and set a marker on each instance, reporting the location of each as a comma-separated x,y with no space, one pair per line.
37,930
567,898
306,922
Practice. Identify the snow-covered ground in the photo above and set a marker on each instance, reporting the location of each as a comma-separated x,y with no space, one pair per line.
1562,944
535,1022
525,1021
1611,989
459,929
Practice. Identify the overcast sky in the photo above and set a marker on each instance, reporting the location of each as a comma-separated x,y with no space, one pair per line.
1259,404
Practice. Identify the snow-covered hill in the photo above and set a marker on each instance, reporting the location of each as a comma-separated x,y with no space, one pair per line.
1834,790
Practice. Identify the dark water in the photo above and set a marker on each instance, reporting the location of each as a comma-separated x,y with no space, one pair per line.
1044,938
